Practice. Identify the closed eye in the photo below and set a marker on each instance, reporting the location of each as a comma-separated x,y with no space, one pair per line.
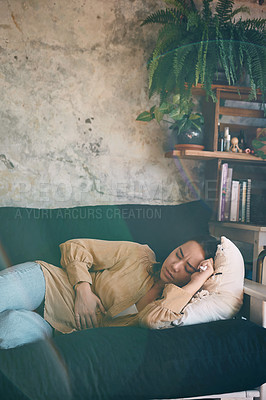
189,272
180,257
187,263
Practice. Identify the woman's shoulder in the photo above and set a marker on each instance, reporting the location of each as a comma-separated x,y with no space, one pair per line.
103,242
118,246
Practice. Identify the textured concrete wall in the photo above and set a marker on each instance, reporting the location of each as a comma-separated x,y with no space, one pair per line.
73,79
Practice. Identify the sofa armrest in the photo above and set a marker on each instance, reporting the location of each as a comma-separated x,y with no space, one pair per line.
255,289
257,306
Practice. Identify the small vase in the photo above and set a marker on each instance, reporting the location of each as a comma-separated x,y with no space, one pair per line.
190,139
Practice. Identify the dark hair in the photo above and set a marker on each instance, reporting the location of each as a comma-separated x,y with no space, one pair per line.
208,243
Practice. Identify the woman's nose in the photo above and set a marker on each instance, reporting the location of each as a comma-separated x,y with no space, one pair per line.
176,265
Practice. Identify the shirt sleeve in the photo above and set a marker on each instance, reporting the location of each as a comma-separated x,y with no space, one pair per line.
76,260
79,256
160,313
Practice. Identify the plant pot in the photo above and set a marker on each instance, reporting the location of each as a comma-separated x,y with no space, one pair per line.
189,147
244,79
219,78
190,139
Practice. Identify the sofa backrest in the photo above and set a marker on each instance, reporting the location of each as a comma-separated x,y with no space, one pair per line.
28,234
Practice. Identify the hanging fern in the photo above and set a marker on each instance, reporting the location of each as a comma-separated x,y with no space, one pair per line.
167,38
180,55
224,9
240,47
254,65
193,20
211,61
257,24
162,17
204,63
198,68
192,44
232,61
222,42
185,6
206,11
164,75
242,9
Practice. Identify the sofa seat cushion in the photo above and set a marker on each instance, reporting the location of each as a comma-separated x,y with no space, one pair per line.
135,363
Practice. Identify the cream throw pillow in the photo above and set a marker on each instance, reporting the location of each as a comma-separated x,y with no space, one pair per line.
221,296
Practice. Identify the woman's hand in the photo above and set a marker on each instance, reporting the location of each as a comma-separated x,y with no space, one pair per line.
204,271
86,306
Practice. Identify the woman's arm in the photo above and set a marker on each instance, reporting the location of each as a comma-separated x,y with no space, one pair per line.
161,313
78,256
85,306
77,260
204,271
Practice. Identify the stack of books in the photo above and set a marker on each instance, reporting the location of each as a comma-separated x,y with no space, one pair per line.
234,197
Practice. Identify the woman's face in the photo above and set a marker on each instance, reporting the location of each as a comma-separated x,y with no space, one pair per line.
182,263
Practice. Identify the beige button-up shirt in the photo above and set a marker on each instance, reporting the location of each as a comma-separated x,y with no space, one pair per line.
119,274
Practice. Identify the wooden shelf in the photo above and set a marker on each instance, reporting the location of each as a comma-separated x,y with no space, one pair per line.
213,112
238,225
245,166
236,95
213,155
241,112
232,92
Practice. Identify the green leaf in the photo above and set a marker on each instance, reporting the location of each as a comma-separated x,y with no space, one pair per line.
175,114
162,17
176,99
194,116
242,9
145,116
158,115
182,125
165,108
198,126
257,144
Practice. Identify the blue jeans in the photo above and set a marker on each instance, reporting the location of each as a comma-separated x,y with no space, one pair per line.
22,290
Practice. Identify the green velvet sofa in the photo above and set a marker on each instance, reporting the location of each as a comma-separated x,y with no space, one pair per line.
124,363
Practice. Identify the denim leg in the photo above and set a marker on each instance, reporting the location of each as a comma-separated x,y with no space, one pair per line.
18,327
22,290
22,287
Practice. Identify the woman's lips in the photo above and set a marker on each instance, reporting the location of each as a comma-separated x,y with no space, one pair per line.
169,275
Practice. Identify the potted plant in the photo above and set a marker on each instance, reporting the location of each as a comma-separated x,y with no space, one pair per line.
194,45
186,124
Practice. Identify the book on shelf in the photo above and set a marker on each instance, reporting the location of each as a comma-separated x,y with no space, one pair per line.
248,200
222,192
228,194
242,200
234,201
